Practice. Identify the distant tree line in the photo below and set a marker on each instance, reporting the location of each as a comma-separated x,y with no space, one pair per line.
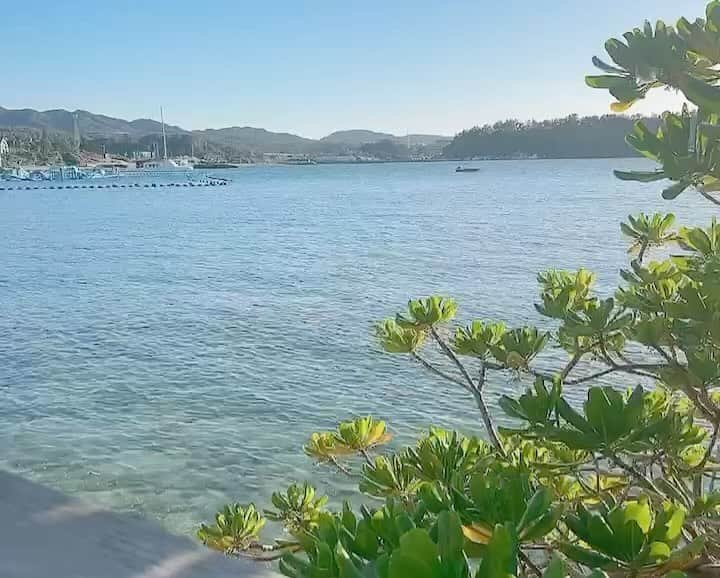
569,137
385,150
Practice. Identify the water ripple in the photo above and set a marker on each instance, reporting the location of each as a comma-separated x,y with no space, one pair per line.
163,351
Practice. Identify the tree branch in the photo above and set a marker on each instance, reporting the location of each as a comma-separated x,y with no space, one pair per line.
633,368
709,197
339,466
710,448
431,368
268,552
447,350
530,564
570,365
476,391
647,482
368,460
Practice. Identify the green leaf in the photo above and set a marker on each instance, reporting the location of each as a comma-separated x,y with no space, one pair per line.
418,544
606,67
450,536
500,559
674,524
555,569
640,176
292,566
403,566
397,339
382,566
659,551
569,414
347,567
366,541
587,557
537,506
610,81
701,93
542,526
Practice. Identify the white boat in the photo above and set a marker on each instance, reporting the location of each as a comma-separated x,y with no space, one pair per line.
160,167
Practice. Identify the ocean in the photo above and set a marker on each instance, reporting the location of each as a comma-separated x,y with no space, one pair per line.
163,351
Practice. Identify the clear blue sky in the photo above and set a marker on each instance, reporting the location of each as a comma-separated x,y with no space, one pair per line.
315,66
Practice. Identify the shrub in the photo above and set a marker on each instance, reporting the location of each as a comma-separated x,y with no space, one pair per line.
623,484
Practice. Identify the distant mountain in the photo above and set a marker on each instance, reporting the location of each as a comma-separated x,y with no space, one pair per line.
90,125
572,136
359,137
256,139
100,128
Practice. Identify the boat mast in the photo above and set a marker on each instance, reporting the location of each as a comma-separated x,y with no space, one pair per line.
162,120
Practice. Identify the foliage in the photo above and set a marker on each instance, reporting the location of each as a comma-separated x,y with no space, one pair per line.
622,482
385,149
297,507
236,528
569,137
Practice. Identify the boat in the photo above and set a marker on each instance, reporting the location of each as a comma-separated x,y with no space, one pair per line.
462,169
162,166
16,174
159,167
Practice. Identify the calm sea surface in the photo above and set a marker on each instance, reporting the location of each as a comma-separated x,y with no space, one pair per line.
165,350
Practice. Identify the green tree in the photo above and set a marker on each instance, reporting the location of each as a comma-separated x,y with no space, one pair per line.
623,484
569,137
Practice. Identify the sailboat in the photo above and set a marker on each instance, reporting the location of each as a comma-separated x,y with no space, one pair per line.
164,165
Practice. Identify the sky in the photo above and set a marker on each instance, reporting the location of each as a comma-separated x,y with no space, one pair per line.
315,66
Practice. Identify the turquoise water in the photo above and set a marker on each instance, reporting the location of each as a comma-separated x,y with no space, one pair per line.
165,350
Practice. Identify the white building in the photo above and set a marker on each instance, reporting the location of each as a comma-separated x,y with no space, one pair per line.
4,149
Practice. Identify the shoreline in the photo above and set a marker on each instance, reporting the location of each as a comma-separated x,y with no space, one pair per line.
368,162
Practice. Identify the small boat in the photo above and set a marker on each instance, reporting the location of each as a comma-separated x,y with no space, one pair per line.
462,169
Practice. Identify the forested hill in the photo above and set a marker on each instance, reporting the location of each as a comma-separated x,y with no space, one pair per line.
569,137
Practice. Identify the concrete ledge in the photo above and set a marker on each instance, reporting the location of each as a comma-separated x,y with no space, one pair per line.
46,534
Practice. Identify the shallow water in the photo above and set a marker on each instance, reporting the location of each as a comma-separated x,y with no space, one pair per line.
165,350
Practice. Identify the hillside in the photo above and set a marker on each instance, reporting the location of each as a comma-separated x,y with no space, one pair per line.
256,139
359,137
49,135
90,124
100,132
569,137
